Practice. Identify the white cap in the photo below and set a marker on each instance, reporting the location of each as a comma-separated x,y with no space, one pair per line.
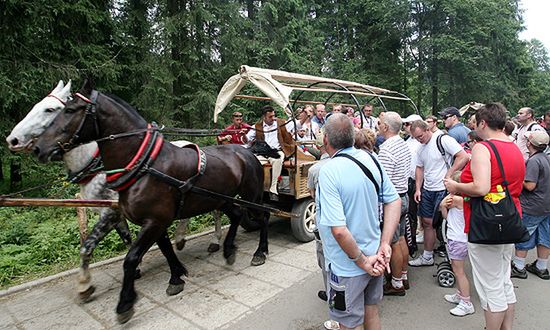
411,118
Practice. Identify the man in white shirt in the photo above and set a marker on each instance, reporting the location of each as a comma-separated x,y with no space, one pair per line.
369,121
274,132
432,166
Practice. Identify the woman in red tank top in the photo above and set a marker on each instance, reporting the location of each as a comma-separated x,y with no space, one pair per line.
491,264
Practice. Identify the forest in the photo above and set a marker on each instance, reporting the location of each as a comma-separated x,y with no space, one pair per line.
169,58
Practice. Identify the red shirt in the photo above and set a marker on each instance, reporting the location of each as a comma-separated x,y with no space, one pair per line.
514,168
236,137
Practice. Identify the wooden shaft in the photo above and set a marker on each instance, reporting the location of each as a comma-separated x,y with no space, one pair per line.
58,202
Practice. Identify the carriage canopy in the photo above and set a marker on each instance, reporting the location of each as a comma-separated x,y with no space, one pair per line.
278,85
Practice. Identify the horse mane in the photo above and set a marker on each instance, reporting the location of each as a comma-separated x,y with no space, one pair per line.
124,104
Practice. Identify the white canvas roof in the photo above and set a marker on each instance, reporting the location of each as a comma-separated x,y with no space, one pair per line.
278,85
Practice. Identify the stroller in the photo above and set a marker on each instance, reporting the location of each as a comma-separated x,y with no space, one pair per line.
445,275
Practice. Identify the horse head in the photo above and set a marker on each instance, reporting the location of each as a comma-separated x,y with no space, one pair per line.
23,135
73,126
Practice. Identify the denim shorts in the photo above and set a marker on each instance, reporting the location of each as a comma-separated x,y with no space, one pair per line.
429,202
539,231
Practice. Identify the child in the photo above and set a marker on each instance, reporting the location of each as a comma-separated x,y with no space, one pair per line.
452,209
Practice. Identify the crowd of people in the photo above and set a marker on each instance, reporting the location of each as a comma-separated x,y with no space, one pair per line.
410,170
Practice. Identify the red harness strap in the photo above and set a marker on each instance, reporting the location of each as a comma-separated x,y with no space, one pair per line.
57,98
138,160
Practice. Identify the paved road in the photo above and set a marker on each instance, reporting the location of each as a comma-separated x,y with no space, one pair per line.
282,294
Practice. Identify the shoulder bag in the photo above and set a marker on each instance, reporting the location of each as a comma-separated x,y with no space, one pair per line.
496,223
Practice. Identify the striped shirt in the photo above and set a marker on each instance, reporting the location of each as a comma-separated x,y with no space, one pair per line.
396,158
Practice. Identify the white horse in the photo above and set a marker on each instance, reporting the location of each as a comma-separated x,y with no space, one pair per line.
22,138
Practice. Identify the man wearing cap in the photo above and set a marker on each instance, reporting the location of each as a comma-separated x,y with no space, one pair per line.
535,209
456,129
236,132
274,132
527,123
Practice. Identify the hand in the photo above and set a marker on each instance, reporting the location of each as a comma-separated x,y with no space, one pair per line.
384,252
227,137
373,265
417,196
451,186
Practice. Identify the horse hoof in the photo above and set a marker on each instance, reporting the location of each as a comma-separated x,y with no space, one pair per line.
230,260
86,296
213,247
125,316
174,289
258,260
180,244
138,274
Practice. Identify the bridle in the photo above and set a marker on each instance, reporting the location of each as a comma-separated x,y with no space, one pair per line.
90,111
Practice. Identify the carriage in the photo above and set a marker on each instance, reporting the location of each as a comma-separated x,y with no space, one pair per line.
289,91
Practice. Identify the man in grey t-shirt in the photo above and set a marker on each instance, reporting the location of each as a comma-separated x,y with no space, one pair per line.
535,208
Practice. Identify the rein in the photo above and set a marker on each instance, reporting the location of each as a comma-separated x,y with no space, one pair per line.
89,171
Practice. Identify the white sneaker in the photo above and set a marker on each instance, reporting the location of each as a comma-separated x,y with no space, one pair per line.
452,298
331,325
420,237
463,308
421,261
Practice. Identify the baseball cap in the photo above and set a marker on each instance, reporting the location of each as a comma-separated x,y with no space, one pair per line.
537,138
411,118
450,111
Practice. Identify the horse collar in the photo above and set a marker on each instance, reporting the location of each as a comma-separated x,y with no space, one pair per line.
89,171
122,179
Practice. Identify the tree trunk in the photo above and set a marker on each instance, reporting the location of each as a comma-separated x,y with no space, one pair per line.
15,174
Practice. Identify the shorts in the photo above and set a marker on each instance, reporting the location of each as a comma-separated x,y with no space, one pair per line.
402,225
457,250
539,231
429,202
347,297
491,268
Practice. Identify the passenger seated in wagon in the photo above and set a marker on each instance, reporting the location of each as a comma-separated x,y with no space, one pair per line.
236,132
274,133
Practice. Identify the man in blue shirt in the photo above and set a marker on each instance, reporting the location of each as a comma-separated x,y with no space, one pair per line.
356,252
456,129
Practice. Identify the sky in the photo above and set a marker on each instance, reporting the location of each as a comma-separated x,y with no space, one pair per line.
536,20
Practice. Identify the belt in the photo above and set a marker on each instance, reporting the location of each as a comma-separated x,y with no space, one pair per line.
403,194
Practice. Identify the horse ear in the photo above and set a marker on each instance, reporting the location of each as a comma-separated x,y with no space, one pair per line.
66,91
87,87
58,87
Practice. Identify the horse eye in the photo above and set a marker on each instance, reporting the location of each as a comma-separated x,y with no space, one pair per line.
49,110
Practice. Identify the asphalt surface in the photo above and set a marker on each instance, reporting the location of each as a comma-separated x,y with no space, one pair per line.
282,294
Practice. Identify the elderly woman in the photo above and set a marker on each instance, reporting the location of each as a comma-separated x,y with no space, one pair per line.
491,264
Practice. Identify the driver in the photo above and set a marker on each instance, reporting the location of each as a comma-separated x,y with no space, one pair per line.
272,131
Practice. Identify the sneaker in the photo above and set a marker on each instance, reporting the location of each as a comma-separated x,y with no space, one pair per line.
533,269
463,308
452,298
441,250
331,325
517,273
420,237
421,261
390,290
322,294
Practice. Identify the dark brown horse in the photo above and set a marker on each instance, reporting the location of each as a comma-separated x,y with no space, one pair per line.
151,176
